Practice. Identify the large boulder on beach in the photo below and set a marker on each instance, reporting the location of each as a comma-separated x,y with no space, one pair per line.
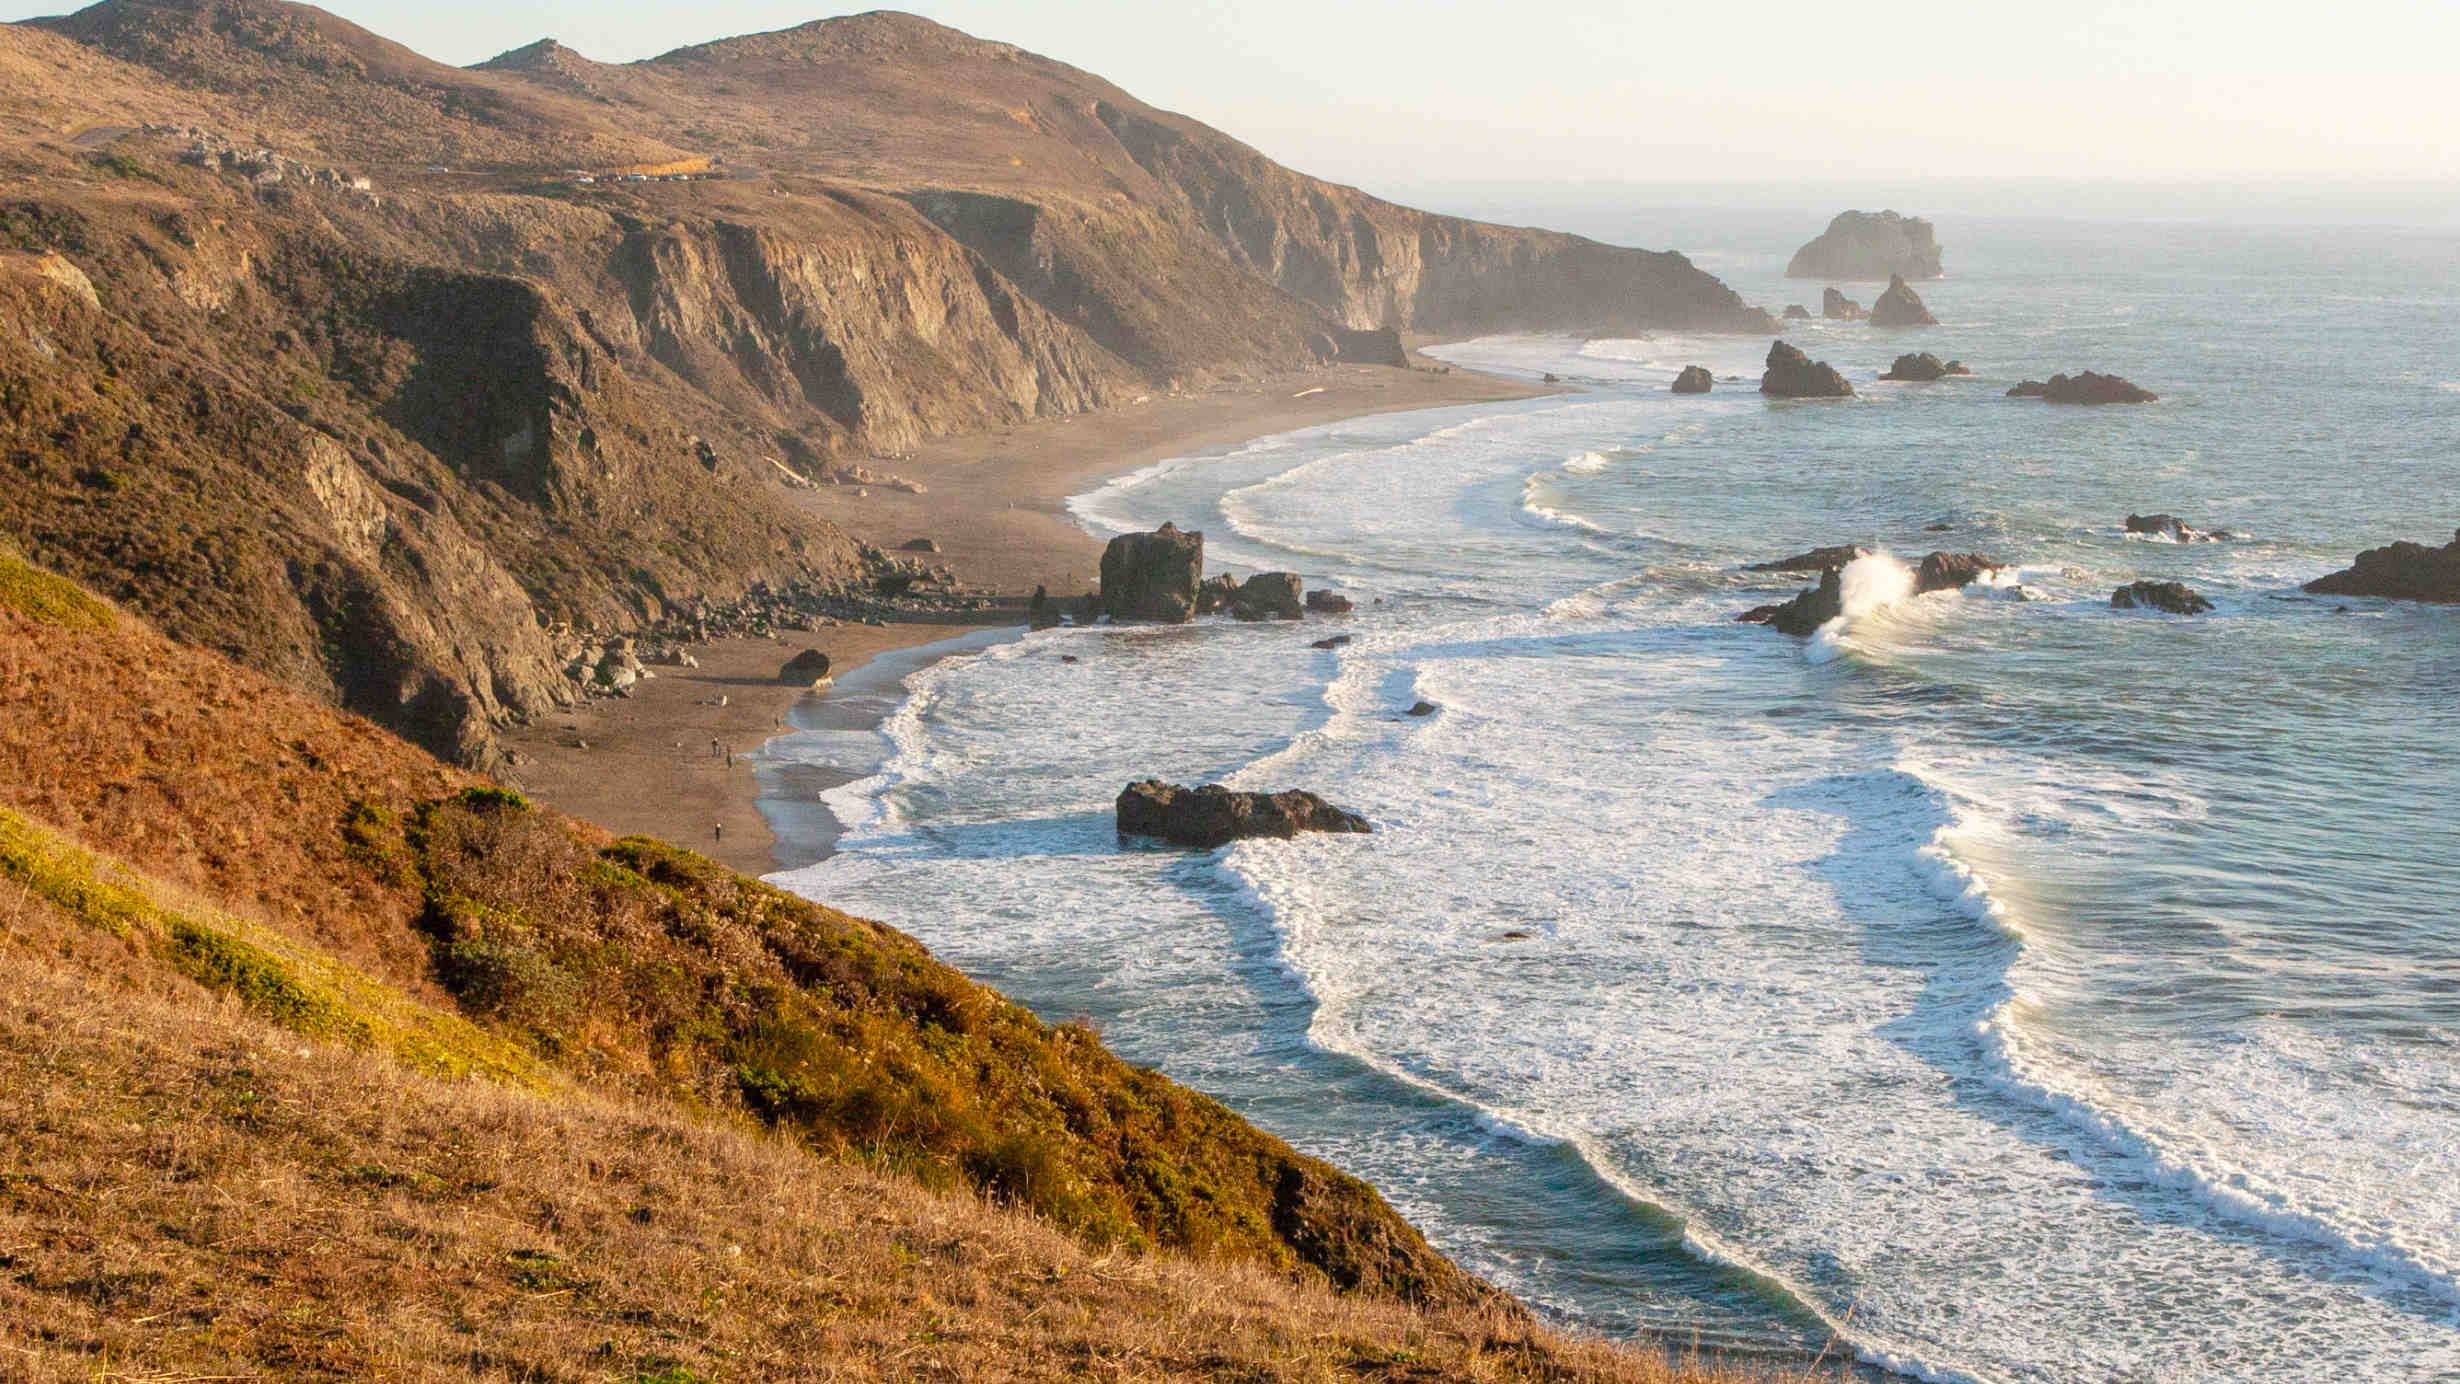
1918,368
1369,346
1268,596
1900,306
1951,571
2175,597
805,669
1695,379
1216,816
2403,571
1793,375
1816,560
1153,576
1807,611
2085,388
1836,307
1869,245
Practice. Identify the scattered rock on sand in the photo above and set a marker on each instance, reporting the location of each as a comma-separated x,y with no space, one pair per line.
2086,388
1900,306
1152,576
1869,245
1917,368
2403,571
1793,375
1836,307
1215,816
1329,602
1816,560
1695,379
2174,597
805,668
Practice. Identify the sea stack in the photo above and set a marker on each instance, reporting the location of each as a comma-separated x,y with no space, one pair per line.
1153,576
1900,306
1836,307
1793,375
1695,379
1869,245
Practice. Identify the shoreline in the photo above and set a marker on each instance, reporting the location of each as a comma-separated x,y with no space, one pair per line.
995,503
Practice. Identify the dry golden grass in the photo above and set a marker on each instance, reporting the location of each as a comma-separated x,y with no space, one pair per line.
187,1192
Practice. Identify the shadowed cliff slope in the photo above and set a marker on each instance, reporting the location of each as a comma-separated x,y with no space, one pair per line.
321,355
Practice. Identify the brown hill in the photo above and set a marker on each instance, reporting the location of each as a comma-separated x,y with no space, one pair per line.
419,447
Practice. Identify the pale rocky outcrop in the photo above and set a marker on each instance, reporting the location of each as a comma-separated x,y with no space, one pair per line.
1869,245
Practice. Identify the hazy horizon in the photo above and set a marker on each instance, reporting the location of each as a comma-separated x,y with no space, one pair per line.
1381,94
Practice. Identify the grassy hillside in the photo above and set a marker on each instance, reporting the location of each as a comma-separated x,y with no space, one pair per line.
336,1062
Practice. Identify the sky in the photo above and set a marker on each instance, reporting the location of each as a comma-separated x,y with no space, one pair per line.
1440,93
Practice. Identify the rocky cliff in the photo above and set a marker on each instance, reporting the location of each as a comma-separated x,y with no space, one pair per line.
405,382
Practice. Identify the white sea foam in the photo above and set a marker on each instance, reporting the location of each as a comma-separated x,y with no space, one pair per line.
1587,463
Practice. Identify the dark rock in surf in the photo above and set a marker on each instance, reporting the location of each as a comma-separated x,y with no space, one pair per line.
1816,560
1869,245
1919,368
2085,388
1836,307
1958,367
1951,571
1041,613
2168,526
1695,379
1796,312
1334,642
1900,306
2403,572
1215,594
2174,597
1324,602
1268,596
1793,375
1152,576
1216,816
1421,709
1806,612
805,668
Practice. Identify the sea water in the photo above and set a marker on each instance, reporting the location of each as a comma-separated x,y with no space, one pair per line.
2000,985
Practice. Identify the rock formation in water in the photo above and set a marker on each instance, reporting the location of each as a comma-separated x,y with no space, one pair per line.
1793,375
1816,560
1951,571
2086,388
1041,613
1269,596
1152,577
1807,611
2173,528
1216,816
1796,312
1900,306
2404,571
2175,597
1324,602
1869,245
1921,367
1836,307
1695,379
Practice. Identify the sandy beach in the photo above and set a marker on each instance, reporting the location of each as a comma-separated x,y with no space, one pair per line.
668,762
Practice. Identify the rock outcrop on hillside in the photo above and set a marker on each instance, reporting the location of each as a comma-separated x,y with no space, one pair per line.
1869,245
414,451
2403,571
1793,375
1900,306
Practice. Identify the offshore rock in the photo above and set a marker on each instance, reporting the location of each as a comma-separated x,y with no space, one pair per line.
2085,388
1796,312
1816,560
1216,816
1951,571
1793,375
1329,602
2403,571
1807,611
2174,597
1268,596
1152,576
1900,306
1924,366
1836,307
2171,527
1695,379
1869,245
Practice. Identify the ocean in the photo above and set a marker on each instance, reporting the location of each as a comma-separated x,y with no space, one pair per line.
2003,986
